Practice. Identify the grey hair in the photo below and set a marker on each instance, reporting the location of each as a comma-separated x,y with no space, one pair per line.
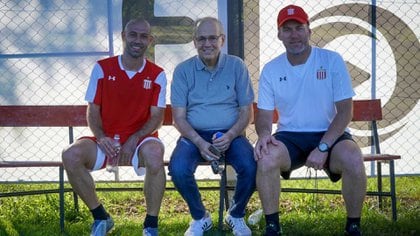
207,19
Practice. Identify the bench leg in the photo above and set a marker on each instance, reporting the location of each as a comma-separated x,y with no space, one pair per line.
61,197
379,183
76,202
226,196
222,197
393,192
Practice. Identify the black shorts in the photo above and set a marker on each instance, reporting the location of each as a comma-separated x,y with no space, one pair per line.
301,144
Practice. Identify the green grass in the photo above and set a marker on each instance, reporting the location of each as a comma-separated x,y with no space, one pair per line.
301,214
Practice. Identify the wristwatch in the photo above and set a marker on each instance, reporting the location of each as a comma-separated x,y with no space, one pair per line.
323,147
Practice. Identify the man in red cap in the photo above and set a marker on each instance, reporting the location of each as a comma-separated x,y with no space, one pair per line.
311,89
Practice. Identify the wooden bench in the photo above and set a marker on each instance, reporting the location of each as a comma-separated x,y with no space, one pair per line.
72,116
75,116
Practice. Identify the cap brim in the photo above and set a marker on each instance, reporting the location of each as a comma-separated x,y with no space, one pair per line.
300,20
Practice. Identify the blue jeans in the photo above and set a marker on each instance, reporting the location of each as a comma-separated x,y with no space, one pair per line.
184,162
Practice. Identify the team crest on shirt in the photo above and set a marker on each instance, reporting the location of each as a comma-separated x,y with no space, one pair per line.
147,83
321,73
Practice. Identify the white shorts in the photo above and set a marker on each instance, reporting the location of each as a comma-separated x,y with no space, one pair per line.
100,158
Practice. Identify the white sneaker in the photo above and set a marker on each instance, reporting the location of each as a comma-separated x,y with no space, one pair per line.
198,227
238,226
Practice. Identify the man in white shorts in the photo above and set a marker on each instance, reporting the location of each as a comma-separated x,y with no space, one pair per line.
311,89
126,96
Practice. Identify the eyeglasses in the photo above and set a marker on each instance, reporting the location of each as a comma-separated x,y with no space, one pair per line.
212,39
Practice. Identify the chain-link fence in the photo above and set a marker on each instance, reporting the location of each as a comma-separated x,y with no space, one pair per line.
380,45
48,48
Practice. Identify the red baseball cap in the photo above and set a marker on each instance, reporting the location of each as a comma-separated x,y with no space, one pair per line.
292,12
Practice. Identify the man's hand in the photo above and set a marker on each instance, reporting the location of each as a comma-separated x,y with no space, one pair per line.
128,149
261,147
316,159
205,152
222,143
106,144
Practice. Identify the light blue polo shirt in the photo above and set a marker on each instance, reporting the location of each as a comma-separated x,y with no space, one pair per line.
212,97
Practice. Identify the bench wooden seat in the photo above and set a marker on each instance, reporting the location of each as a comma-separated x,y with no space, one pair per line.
75,116
11,164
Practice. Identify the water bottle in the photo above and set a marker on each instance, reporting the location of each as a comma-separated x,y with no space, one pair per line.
112,162
255,217
219,166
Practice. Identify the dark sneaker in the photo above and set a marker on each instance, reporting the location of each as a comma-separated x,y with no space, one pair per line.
272,230
353,230
101,227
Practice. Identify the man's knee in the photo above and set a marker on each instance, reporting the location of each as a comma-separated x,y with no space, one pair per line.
248,170
275,160
155,164
71,156
267,164
80,154
152,153
346,156
180,171
178,175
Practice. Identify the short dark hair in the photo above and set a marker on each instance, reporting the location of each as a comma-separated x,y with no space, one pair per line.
136,20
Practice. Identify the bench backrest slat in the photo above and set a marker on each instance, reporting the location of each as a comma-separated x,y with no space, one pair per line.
75,115
363,110
367,110
51,116
34,116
